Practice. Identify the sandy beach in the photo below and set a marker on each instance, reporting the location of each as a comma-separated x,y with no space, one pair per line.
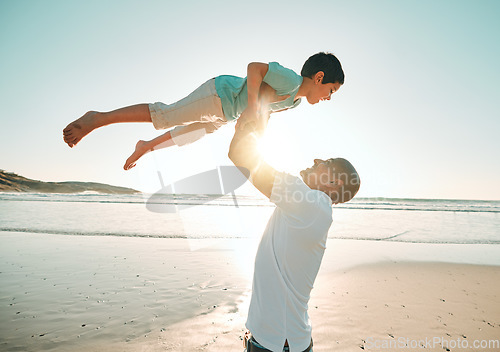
88,293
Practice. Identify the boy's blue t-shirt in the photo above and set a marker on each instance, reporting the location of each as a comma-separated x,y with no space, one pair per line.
234,94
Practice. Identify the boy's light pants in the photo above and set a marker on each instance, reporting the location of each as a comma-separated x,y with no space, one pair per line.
194,116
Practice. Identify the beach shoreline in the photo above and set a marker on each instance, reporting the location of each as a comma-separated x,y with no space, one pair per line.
64,292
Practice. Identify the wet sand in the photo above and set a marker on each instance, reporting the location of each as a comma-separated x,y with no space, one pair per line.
83,293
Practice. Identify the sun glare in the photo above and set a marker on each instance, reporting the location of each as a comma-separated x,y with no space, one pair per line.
275,150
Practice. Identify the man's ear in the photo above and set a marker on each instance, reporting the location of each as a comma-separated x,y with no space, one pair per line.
333,186
318,77
337,183
335,190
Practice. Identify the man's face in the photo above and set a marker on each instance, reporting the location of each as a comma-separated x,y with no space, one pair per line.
319,175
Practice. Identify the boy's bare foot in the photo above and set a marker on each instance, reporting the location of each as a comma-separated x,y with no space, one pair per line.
79,128
141,148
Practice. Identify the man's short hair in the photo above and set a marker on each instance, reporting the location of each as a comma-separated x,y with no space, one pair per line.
327,63
351,182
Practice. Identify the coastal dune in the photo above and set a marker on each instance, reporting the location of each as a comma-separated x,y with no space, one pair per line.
11,182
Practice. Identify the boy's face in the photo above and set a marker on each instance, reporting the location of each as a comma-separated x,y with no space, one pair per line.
320,91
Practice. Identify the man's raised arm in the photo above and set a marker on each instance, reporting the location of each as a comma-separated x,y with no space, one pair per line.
243,152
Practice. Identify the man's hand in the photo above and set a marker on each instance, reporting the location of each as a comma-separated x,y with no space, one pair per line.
244,152
250,115
258,113
255,119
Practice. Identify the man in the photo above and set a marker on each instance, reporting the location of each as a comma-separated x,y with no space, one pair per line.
293,243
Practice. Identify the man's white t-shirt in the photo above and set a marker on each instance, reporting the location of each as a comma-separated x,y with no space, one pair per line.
286,264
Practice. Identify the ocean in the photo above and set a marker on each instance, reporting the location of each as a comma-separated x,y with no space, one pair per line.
89,269
212,216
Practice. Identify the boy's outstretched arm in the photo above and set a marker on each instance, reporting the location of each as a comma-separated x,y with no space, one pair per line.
243,152
256,71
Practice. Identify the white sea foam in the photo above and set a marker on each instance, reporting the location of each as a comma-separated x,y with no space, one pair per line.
216,216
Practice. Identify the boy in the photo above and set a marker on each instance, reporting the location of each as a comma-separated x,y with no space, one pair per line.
220,100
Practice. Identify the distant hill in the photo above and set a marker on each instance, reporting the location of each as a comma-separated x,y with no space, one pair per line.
10,182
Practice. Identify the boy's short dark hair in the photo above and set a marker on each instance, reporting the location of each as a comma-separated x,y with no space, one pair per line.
327,63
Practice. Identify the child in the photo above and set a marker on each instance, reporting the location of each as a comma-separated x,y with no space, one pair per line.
220,100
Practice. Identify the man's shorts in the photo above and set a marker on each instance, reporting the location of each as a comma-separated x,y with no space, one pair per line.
203,105
251,345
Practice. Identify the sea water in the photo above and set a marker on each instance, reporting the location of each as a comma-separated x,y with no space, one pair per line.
212,216
77,290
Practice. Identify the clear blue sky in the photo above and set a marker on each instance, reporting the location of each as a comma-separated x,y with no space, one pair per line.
418,115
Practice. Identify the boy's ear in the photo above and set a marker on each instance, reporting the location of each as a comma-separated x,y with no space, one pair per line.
318,77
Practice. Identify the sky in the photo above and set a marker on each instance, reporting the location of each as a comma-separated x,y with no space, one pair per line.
418,115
